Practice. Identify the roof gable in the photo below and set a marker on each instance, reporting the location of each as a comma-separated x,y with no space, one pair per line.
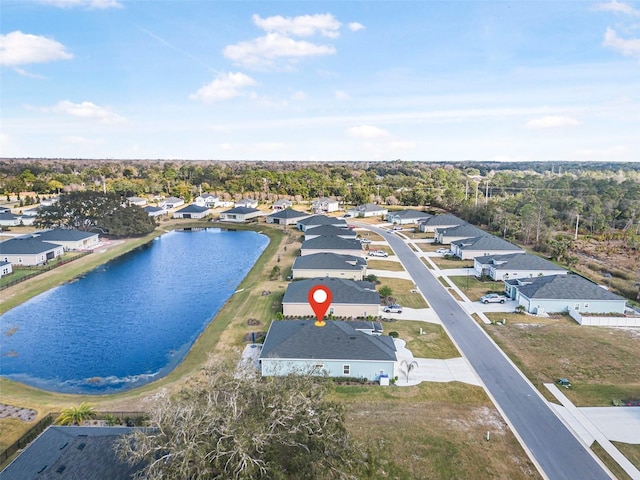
560,287
343,291
64,234
26,246
485,242
329,261
332,243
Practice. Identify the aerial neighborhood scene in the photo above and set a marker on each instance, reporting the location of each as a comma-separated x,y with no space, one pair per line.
305,240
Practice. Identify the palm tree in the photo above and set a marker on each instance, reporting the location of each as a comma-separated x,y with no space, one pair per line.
406,367
76,415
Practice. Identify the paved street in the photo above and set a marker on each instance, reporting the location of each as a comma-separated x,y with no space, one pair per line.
556,451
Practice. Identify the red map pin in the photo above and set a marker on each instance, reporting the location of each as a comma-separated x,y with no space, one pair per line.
319,298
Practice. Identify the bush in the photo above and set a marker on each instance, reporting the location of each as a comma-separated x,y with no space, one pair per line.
394,334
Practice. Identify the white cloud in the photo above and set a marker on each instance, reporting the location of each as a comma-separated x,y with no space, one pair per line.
224,87
79,140
17,48
367,131
97,4
355,26
302,26
341,95
299,96
629,48
263,52
87,110
618,7
552,121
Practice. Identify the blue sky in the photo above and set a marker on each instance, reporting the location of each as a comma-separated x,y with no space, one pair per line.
306,80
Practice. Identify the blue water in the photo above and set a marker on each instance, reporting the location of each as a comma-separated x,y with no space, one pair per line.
129,321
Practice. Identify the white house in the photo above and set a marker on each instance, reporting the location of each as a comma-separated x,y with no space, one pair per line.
29,251
155,211
239,214
482,245
286,217
445,220
325,205
247,203
407,217
282,204
513,266
5,268
192,211
138,201
368,210
171,202
69,238
211,201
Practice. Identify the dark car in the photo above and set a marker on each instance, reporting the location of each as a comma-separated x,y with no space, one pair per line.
564,382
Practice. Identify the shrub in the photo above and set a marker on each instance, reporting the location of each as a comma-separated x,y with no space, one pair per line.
394,334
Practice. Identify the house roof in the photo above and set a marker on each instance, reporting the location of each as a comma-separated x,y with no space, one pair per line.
247,200
325,199
208,195
288,213
337,340
72,452
9,216
152,209
564,287
343,291
316,220
408,214
283,201
193,208
329,261
331,243
464,230
446,219
370,207
518,261
331,231
26,246
485,242
64,235
173,200
242,210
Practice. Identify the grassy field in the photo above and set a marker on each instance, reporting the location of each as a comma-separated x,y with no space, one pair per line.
433,343
474,288
384,265
402,292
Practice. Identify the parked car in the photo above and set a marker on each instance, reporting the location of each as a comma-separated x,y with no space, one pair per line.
443,250
378,253
392,309
365,240
563,382
397,227
493,298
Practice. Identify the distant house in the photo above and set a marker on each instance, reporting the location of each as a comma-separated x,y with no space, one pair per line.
5,210
30,212
448,235
318,265
561,293
351,299
72,452
325,205
137,201
69,238
192,211
5,268
171,202
247,203
336,349
330,231
207,200
319,220
337,245
282,204
29,251
513,266
407,217
286,217
155,211
9,220
486,244
47,202
446,220
239,214
368,210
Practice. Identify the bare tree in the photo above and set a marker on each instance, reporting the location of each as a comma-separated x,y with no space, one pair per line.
226,426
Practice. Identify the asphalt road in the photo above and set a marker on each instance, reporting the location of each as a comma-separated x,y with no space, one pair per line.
555,450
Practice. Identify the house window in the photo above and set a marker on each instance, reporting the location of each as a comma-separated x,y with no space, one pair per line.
576,306
586,305
346,369
318,366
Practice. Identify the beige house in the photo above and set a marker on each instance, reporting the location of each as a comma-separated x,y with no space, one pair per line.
70,239
330,265
29,251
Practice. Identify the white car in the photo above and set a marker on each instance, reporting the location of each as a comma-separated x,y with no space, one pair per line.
442,250
365,240
378,253
392,309
493,298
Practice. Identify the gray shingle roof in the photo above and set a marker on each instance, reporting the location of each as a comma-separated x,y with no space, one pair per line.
370,207
409,214
26,246
288,213
151,209
446,219
64,235
317,220
242,210
343,291
331,231
331,243
464,230
485,242
518,261
565,287
193,208
329,261
72,452
337,340
9,216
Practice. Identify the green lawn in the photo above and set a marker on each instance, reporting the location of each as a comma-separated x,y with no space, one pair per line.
384,265
433,343
402,292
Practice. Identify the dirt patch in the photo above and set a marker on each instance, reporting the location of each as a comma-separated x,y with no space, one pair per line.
24,414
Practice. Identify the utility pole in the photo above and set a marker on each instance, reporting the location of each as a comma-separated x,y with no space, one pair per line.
477,184
466,190
575,236
486,193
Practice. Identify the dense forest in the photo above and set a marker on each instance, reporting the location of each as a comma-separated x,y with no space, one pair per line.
541,205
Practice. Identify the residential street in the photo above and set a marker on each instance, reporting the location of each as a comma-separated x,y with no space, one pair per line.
558,454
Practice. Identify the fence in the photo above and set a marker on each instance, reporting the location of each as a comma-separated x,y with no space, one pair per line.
42,269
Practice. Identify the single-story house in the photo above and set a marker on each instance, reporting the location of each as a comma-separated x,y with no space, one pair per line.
319,220
5,210
561,293
155,211
30,212
247,203
192,211
329,231
368,210
407,217
137,201
514,265
286,217
446,220
350,298
337,349
448,235
9,219
325,205
282,204
5,268
337,245
68,452
69,238
171,202
485,244
29,251
239,214
329,264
